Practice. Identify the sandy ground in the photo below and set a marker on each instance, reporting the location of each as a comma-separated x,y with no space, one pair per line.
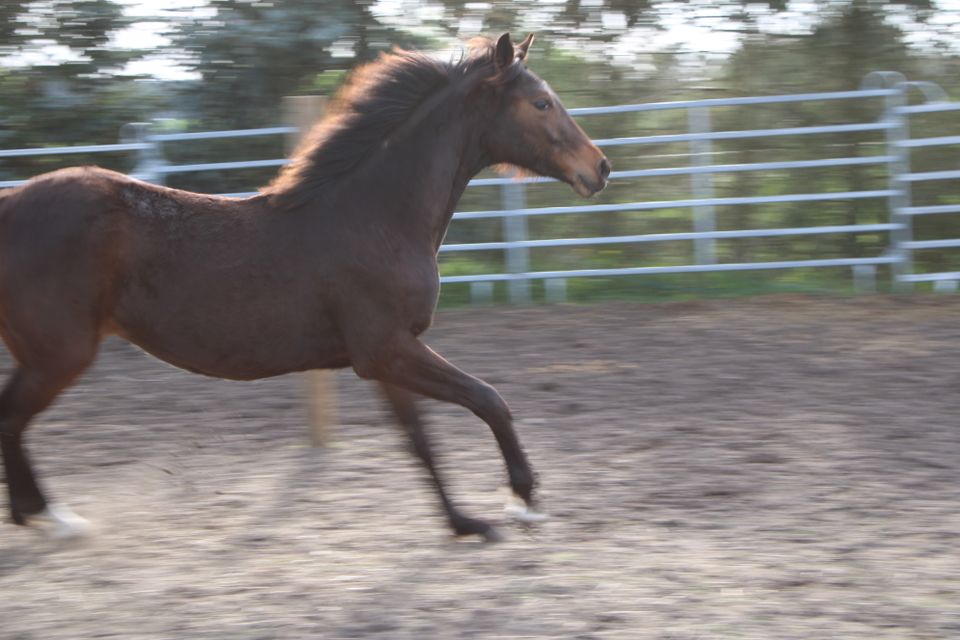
783,467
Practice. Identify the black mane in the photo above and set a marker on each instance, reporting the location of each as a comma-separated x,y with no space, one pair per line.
378,99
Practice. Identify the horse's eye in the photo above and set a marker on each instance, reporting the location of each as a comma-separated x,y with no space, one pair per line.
542,105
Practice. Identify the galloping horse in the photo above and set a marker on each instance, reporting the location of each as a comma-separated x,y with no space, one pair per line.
332,265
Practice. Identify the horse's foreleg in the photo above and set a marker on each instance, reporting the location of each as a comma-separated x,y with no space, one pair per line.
404,407
26,394
406,362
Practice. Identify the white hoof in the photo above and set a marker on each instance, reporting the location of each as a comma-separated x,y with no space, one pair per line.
519,510
60,523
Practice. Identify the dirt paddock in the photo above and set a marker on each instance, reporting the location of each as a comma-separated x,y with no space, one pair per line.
782,467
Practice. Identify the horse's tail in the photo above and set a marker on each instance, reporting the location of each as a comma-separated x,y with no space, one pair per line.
4,199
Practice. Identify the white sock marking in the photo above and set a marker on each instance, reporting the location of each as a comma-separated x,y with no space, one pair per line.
60,523
518,509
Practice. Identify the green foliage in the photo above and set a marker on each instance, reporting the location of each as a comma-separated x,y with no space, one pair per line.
68,93
266,50
82,26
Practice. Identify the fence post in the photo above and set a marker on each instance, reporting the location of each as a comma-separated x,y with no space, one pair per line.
945,286
150,160
865,278
513,198
704,216
303,112
481,293
555,290
899,166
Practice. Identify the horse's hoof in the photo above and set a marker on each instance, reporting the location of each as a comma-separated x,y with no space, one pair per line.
60,523
465,527
492,535
518,509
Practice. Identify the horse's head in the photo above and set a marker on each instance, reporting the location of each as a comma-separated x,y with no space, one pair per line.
532,130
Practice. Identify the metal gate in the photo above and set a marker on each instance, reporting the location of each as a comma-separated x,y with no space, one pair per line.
892,89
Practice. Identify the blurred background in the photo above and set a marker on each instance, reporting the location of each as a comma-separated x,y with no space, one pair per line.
74,72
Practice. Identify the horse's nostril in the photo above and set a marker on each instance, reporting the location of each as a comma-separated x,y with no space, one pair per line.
605,168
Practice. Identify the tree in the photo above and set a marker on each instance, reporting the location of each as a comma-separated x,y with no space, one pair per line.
63,33
59,78
264,51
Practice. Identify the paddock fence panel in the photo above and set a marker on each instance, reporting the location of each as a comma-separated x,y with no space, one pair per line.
883,151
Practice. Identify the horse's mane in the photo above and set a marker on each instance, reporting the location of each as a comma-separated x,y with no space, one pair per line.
377,99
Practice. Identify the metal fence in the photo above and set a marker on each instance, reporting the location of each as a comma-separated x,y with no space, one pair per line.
891,88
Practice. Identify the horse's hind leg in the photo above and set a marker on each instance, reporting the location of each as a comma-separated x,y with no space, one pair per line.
404,407
29,391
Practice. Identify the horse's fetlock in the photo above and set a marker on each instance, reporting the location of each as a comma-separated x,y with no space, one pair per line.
524,489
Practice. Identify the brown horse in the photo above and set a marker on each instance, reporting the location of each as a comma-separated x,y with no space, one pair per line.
332,265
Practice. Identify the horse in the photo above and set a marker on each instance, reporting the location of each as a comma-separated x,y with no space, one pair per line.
331,265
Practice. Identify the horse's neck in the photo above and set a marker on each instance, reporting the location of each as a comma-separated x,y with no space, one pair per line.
434,170
468,161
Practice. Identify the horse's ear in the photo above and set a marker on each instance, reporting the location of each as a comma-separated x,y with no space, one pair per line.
504,55
524,46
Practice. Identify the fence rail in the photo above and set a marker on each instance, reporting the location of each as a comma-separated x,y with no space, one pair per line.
893,122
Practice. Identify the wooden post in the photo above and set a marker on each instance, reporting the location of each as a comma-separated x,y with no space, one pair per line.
302,112
321,385
322,405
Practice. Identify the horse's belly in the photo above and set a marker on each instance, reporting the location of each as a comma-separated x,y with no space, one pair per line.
237,345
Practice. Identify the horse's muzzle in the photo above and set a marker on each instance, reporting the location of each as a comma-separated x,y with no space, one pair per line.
588,186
